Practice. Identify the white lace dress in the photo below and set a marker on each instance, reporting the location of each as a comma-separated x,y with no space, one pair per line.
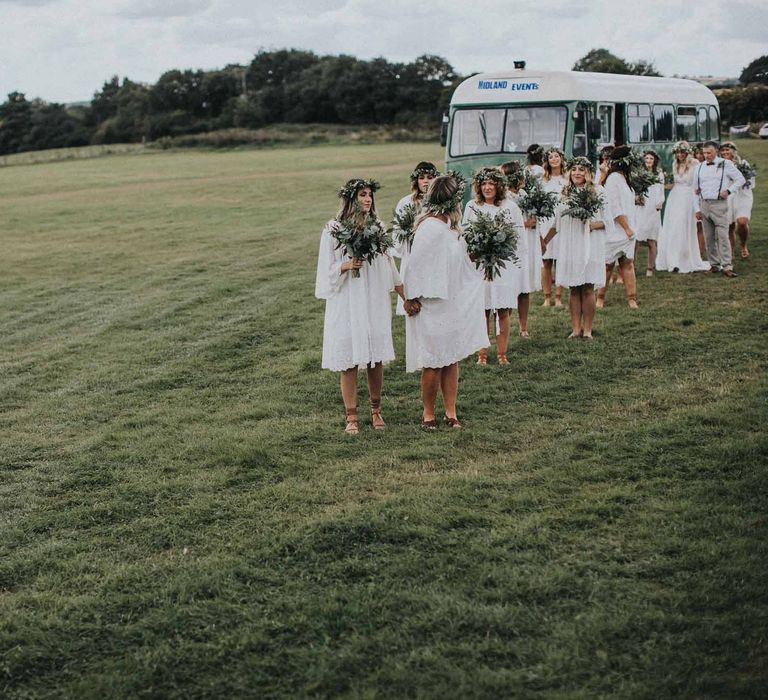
581,252
619,201
401,251
741,201
451,324
554,184
358,311
532,264
678,243
647,216
503,291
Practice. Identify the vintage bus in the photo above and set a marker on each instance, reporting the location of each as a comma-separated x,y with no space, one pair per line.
494,117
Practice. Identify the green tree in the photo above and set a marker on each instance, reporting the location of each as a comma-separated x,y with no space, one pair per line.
603,61
755,72
15,120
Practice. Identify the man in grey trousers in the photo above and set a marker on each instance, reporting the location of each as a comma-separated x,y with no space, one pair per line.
713,180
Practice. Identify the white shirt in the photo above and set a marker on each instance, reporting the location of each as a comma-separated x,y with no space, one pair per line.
710,179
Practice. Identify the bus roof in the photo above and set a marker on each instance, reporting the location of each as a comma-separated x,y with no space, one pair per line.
527,86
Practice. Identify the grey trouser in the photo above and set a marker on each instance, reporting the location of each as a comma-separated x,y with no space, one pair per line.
714,220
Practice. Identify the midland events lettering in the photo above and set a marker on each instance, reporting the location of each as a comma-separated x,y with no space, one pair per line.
504,84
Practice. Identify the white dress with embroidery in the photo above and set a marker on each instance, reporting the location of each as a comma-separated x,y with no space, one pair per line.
741,201
532,266
451,324
619,201
678,243
502,292
647,216
554,184
581,252
358,311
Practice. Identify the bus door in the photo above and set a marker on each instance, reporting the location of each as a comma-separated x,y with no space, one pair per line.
606,114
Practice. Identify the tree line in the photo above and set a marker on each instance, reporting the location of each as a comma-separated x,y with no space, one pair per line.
290,86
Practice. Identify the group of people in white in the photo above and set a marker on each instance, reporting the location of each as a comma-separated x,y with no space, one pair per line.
448,303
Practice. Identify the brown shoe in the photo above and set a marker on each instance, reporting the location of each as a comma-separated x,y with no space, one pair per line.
729,273
376,419
352,428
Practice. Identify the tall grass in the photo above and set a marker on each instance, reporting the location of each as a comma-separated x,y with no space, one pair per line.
183,517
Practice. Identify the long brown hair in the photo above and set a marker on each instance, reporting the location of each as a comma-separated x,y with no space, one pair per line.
442,189
350,210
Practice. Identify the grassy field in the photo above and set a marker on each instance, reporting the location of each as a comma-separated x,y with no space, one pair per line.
182,516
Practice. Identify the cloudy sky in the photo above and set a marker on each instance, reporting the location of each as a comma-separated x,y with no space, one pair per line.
63,50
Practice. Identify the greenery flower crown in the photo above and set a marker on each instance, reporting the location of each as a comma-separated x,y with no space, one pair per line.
421,172
554,149
682,147
631,160
492,174
729,144
449,205
351,188
580,160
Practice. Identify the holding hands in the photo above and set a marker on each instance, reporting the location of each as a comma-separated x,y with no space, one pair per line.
412,306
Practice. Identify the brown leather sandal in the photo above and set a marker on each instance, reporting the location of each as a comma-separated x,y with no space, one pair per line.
503,360
482,358
453,422
376,419
428,424
352,427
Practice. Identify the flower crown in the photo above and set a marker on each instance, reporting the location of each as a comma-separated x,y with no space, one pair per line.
582,161
631,159
682,147
729,144
351,188
492,174
421,172
450,204
553,149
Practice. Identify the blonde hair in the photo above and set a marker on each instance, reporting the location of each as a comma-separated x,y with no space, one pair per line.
547,176
442,189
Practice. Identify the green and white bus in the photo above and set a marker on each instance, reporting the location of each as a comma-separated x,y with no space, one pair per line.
494,117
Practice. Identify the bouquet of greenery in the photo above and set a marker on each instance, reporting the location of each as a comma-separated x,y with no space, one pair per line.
362,238
491,242
748,171
582,202
535,201
403,225
640,180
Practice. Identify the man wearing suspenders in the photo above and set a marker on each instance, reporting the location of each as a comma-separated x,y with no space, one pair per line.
714,179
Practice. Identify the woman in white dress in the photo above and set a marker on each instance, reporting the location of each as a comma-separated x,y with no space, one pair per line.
534,156
678,243
501,294
619,222
532,264
648,211
553,180
445,301
358,312
421,177
581,250
739,203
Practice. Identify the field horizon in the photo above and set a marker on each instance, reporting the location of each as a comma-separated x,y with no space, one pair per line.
183,516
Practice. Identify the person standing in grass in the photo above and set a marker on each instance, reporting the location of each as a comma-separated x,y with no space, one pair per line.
553,180
501,294
648,211
358,313
678,248
581,251
445,301
532,265
421,177
740,202
619,224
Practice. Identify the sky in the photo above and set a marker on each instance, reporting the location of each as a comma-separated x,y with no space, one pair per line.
64,50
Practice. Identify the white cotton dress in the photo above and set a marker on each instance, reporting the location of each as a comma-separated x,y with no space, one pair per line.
451,324
358,311
742,201
532,265
401,251
678,244
581,252
502,292
554,184
619,201
647,216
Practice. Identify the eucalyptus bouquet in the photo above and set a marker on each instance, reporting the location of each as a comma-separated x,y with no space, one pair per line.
640,180
362,238
582,202
748,171
491,242
403,225
535,201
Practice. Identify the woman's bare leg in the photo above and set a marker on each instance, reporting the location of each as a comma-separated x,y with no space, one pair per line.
375,384
523,306
627,267
742,228
651,256
588,309
546,280
603,290
449,384
574,306
430,383
502,339
349,387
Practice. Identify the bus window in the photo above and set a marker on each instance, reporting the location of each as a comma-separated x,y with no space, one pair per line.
686,123
580,143
605,115
714,124
663,123
639,122
702,121
477,131
527,125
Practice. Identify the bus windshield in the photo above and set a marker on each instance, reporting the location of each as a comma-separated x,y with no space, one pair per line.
507,130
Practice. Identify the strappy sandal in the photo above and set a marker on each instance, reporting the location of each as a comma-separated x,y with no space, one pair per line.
453,422
744,252
428,424
524,334
352,427
376,419
547,300
482,358
503,360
